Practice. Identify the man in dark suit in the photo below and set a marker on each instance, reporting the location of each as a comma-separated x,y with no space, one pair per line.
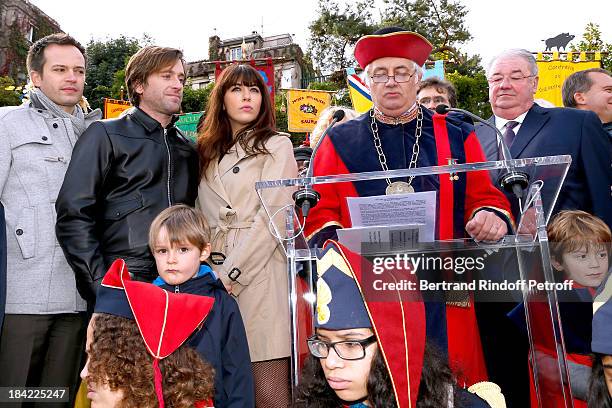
532,131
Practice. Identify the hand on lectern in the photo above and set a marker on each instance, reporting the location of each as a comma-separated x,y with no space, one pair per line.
486,226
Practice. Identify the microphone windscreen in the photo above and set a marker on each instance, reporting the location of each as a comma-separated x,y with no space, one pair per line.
442,109
338,115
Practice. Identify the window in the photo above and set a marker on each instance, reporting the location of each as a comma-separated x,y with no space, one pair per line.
30,34
236,53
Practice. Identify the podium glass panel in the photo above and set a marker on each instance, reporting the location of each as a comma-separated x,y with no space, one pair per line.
476,272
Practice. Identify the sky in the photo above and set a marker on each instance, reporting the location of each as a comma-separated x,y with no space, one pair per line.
187,24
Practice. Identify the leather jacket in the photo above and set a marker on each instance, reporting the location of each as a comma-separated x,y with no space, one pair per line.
122,174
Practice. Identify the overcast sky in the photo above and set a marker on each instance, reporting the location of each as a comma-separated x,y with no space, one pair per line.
187,24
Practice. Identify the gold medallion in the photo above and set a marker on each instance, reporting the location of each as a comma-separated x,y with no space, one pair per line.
399,187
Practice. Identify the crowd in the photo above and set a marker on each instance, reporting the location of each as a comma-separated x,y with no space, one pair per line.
145,265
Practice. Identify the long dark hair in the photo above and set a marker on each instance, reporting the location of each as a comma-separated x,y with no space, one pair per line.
216,138
315,392
599,396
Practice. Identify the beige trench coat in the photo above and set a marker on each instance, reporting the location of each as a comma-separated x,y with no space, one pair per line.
239,226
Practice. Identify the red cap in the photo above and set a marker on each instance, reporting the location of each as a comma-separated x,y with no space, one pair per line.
392,42
165,320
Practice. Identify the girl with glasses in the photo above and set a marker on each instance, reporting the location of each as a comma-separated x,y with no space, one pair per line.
374,353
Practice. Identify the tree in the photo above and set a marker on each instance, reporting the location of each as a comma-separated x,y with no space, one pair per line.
442,24
334,33
104,60
9,96
472,92
195,100
591,41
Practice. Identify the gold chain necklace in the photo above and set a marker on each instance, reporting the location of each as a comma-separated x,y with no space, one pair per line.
398,187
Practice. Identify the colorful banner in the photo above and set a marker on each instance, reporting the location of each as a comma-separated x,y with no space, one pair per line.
188,124
304,107
553,73
266,71
358,91
114,107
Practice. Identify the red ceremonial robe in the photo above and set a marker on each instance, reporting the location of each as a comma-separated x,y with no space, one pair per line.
349,148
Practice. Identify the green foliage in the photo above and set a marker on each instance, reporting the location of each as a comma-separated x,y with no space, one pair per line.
472,92
43,28
323,86
119,85
280,111
18,48
341,96
105,58
96,95
441,22
591,41
335,31
8,97
195,100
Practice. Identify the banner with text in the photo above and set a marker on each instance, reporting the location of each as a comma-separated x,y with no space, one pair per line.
304,107
114,107
188,124
552,74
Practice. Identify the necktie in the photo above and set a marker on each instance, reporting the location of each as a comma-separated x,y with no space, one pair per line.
509,134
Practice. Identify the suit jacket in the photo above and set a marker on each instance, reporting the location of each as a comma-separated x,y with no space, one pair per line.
239,222
562,131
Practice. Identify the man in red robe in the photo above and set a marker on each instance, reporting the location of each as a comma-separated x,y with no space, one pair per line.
399,133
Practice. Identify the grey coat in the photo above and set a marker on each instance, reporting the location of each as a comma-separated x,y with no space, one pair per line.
35,150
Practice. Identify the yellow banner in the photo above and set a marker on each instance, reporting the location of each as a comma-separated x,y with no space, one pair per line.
114,107
553,73
304,108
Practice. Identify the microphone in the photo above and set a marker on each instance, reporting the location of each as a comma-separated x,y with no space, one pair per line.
307,198
512,181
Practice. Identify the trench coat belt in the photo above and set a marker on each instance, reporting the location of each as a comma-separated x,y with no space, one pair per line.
226,223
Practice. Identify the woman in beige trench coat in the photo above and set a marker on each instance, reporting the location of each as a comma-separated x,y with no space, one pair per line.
239,147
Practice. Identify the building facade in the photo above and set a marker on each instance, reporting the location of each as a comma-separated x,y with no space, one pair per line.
286,56
21,23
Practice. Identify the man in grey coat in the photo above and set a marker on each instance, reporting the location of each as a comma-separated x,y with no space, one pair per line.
44,326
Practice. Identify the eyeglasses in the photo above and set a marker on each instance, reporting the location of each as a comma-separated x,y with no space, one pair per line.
513,79
346,350
398,77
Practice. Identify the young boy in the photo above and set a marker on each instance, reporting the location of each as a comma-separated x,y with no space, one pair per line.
179,239
579,250
580,247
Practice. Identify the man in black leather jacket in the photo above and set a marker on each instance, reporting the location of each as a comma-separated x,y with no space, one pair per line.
124,172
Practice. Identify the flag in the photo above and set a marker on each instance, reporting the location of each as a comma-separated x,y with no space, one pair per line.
358,91
436,71
114,107
552,75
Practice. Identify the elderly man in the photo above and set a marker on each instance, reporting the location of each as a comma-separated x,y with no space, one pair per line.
398,133
44,327
590,89
532,131
434,91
